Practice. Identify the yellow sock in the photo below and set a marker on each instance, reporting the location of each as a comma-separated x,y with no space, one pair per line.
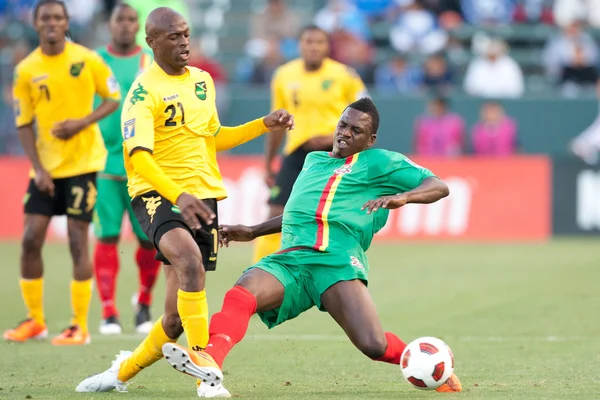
193,311
146,354
266,245
81,296
33,296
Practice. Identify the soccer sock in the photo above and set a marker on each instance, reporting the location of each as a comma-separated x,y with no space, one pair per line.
148,269
193,311
266,245
106,268
146,354
33,296
81,296
394,350
228,326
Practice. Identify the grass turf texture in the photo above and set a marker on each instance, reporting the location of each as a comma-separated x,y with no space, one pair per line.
522,321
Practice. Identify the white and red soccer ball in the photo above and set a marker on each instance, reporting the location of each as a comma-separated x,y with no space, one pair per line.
427,363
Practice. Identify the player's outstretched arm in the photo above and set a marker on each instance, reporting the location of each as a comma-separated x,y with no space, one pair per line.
243,233
430,190
230,137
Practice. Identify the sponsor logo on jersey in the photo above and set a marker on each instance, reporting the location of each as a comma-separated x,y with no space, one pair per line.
201,90
327,84
171,97
17,108
129,129
355,262
346,169
76,68
138,94
39,78
112,84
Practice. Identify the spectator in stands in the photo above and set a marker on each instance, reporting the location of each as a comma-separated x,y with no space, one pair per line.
277,21
438,76
343,15
534,11
267,63
448,12
496,133
398,76
570,59
566,11
587,144
416,30
495,75
488,12
373,9
439,132
9,137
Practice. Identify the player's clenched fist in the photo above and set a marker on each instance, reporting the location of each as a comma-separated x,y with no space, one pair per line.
234,233
279,119
191,208
387,202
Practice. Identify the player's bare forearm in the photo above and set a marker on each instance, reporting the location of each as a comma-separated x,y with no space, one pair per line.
27,138
267,228
107,107
430,190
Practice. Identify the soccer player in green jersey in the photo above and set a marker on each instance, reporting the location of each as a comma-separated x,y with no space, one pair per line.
325,233
127,60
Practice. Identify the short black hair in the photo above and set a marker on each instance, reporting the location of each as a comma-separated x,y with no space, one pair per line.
41,3
122,4
312,27
367,106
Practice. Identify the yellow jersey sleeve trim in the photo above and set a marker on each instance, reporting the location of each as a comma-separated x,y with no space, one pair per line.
231,137
145,166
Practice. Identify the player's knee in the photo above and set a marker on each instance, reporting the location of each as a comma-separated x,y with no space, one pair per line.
32,242
372,346
172,325
191,272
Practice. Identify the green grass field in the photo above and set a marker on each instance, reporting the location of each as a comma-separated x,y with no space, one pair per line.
522,321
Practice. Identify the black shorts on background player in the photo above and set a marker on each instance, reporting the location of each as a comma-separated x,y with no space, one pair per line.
158,216
291,167
74,196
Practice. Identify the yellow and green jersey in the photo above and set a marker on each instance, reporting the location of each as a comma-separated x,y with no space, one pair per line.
324,209
126,69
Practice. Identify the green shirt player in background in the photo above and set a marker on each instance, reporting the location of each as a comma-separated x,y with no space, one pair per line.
127,60
325,233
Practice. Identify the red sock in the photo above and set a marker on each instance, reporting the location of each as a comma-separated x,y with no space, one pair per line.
106,268
394,350
148,268
228,326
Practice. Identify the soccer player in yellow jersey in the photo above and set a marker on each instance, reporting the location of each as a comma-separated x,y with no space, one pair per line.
315,89
55,87
171,134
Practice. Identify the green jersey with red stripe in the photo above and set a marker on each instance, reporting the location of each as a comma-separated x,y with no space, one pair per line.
125,69
324,209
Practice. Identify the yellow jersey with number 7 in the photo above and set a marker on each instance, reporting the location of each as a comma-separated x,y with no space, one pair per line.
51,89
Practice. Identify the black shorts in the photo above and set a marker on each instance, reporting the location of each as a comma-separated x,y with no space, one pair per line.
158,216
74,196
286,177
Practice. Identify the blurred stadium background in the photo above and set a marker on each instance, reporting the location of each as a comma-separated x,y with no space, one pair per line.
518,309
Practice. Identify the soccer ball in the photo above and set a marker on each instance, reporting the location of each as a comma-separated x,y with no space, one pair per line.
427,363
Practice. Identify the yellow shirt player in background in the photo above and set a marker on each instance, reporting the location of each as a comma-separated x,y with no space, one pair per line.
316,90
55,87
171,134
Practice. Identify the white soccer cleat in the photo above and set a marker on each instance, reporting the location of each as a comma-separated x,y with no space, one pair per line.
205,391
107,380
110,326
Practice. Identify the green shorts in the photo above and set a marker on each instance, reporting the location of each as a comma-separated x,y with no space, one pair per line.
305,275
112,202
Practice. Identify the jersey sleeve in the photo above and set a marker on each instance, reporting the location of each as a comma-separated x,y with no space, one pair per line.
214,124
107,86
22,102
277,96
394,173
137,119
355,88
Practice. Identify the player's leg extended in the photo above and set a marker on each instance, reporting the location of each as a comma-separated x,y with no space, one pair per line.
31,282
81,285
351,306
127,365
107,228
255,291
